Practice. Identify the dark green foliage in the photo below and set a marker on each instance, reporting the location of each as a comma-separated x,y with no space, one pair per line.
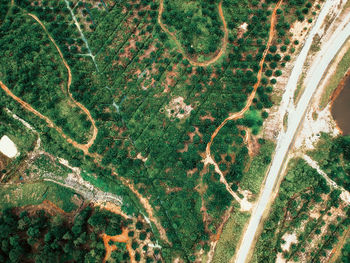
125,93
54,239
300,191
111,223
345,252
338,161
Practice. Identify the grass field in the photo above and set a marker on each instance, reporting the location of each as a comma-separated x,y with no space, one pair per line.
342,67
230,237
35,193
17,132
253,178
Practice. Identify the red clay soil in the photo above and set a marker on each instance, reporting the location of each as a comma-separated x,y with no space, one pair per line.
339,88
192,62
240,114
55,207
49,208
112,208
83,147
122,238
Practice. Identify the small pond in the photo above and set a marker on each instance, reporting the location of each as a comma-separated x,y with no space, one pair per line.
341,108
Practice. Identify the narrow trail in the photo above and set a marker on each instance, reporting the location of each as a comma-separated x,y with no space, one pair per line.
83,147
286,137
244,203
148,209
192,62
345,195
336,251
122,238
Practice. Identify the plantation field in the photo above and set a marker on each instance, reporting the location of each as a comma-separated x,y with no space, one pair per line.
133,92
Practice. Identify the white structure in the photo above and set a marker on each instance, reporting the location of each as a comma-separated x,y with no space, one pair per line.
7,147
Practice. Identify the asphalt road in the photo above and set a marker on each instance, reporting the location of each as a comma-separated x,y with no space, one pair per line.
295,118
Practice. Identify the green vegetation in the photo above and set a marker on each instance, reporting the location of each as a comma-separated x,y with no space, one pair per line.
139,74
345,253
41,83
17,132
230,237
307,208
197,24
333,155
252,179
36,193
38,237
341,69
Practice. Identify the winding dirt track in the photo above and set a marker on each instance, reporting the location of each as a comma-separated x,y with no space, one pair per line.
148,209
240,114
83,147
192,62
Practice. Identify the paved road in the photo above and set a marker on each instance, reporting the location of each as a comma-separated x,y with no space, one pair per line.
328,51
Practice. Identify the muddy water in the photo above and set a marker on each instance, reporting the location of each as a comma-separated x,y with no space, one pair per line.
341,108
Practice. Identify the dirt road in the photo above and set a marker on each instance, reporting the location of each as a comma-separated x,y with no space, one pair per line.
192,62
295,118
148,209
244,203
83,147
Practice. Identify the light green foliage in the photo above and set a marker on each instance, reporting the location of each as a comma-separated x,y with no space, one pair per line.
300,192
230,237
35,193
253,178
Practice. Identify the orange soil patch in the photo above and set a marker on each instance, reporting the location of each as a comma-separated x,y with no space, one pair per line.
339,88
50,208
240,114
112,208
196,63
122,238
83,147
55,207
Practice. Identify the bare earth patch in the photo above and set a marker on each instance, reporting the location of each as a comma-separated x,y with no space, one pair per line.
289,239
177,108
